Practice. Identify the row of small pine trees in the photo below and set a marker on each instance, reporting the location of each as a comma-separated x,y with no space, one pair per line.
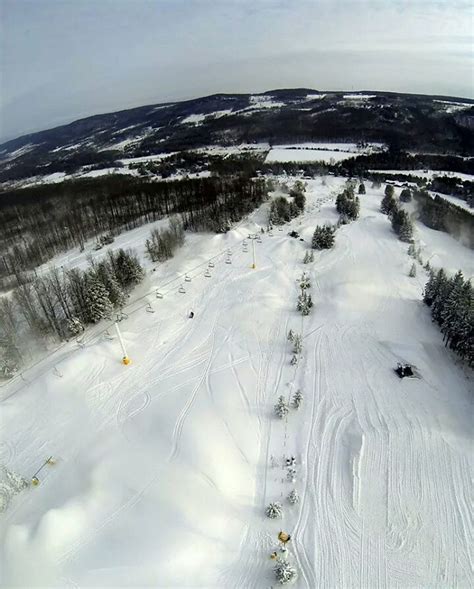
451,301
399,218
348,205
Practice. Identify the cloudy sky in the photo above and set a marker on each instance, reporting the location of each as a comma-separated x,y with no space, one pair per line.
66,59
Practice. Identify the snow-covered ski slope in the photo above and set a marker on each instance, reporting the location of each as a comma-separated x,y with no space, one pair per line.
164,467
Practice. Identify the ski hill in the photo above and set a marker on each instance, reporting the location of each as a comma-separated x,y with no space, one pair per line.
163,468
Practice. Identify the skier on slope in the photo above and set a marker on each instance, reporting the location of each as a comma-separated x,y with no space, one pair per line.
191,314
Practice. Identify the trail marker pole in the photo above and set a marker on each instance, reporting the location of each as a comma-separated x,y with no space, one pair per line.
254,265
125,358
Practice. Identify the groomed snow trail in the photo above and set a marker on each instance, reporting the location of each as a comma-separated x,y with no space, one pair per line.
164,467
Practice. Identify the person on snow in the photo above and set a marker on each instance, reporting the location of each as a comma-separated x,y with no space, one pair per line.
191,314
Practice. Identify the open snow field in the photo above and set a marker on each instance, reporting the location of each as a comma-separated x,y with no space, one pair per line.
164,467
318,152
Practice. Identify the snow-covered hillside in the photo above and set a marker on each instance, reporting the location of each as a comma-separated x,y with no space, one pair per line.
164,467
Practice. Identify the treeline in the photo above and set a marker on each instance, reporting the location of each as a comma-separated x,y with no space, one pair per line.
347,204
442,215
401,160
451,302
39,222
401,222
59,304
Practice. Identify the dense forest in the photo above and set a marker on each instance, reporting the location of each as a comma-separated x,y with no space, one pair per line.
41,221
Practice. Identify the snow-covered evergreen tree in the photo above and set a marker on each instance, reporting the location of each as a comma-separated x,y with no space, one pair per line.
290,335
297,344
281,408
297,399
291,474
75,326
361,188
285,572
452,307
348,205
116,294
306,258
406,231
412,272
405,195
304,282
304,303
98,305
311,256
294,360
293,497
402,224
411,250
388,204
274,510
127,269
323,237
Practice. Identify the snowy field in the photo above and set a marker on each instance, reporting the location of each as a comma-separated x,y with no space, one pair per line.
322,152
164,467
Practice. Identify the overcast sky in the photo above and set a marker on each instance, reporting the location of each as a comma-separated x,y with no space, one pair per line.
66,59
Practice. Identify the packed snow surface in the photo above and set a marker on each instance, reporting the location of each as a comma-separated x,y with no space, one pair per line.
164,467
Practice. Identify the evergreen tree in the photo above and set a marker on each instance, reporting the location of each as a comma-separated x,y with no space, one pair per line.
304,281
274,510
453,310
432,286
281,408
294,210
293,497
406,231
323,237
290,335
127,269
291,474
405,195
361,188
297,344
311,256
402,225
300,202
452,307
443,289
98,305
107,277
285,573
412,272
279,211
388,204
297,399
389,190
75,326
